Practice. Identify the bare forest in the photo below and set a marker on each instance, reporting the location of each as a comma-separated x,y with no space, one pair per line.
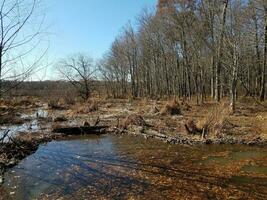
205,49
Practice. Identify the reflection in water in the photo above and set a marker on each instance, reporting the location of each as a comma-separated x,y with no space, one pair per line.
112,167
31,124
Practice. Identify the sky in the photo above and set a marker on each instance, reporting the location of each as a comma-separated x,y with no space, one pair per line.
88,26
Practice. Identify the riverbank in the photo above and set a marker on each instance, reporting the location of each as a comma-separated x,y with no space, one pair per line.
181,122
209,122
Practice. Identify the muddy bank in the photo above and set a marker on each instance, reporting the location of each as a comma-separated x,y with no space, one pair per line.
176,121
191,140
211,123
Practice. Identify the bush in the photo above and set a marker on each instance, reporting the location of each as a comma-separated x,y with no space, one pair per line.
171,108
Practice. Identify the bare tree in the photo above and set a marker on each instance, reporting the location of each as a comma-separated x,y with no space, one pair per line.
218,83
193,48
20,27
264,70
79,71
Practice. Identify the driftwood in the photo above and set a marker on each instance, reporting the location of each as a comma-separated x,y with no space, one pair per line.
80,130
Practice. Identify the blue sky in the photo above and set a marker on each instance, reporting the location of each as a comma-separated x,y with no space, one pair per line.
88,26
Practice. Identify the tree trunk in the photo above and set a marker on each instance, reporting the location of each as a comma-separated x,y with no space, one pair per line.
263,73
258,57
233,96
233,90
1,65
219,62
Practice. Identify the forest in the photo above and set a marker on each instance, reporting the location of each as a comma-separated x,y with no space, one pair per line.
192,48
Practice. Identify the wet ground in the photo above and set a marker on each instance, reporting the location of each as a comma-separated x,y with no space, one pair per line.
128,167
31,123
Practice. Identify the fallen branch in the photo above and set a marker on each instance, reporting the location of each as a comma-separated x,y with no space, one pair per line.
4,136
80,130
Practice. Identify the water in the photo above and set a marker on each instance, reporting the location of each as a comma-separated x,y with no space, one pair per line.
32,124
127,167
39,114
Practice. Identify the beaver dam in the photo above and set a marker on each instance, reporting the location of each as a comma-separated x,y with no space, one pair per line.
133,150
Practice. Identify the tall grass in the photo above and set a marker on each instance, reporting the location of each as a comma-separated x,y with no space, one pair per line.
213,123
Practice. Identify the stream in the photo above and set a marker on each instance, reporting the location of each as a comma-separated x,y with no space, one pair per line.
130,167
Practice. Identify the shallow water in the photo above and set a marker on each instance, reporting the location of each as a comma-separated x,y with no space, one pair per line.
32,124
128,167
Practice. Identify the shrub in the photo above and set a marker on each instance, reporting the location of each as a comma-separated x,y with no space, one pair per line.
171,108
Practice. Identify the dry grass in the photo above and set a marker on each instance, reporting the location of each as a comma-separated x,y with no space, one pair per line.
56,104
18,102
185,105
154,110
9,109
85,108
134,119
5,109
216,119
53,103
69,99
171,108
192,128
11,118
261,124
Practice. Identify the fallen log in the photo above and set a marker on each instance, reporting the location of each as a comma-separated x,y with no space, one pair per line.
80,130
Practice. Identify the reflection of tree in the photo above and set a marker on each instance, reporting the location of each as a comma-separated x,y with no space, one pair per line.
106,175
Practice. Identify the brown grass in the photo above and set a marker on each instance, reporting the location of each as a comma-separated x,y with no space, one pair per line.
10,118
56,104
53,103
184,105
216,119
18,102
134,119
68,98
192,128
171,108
85,108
